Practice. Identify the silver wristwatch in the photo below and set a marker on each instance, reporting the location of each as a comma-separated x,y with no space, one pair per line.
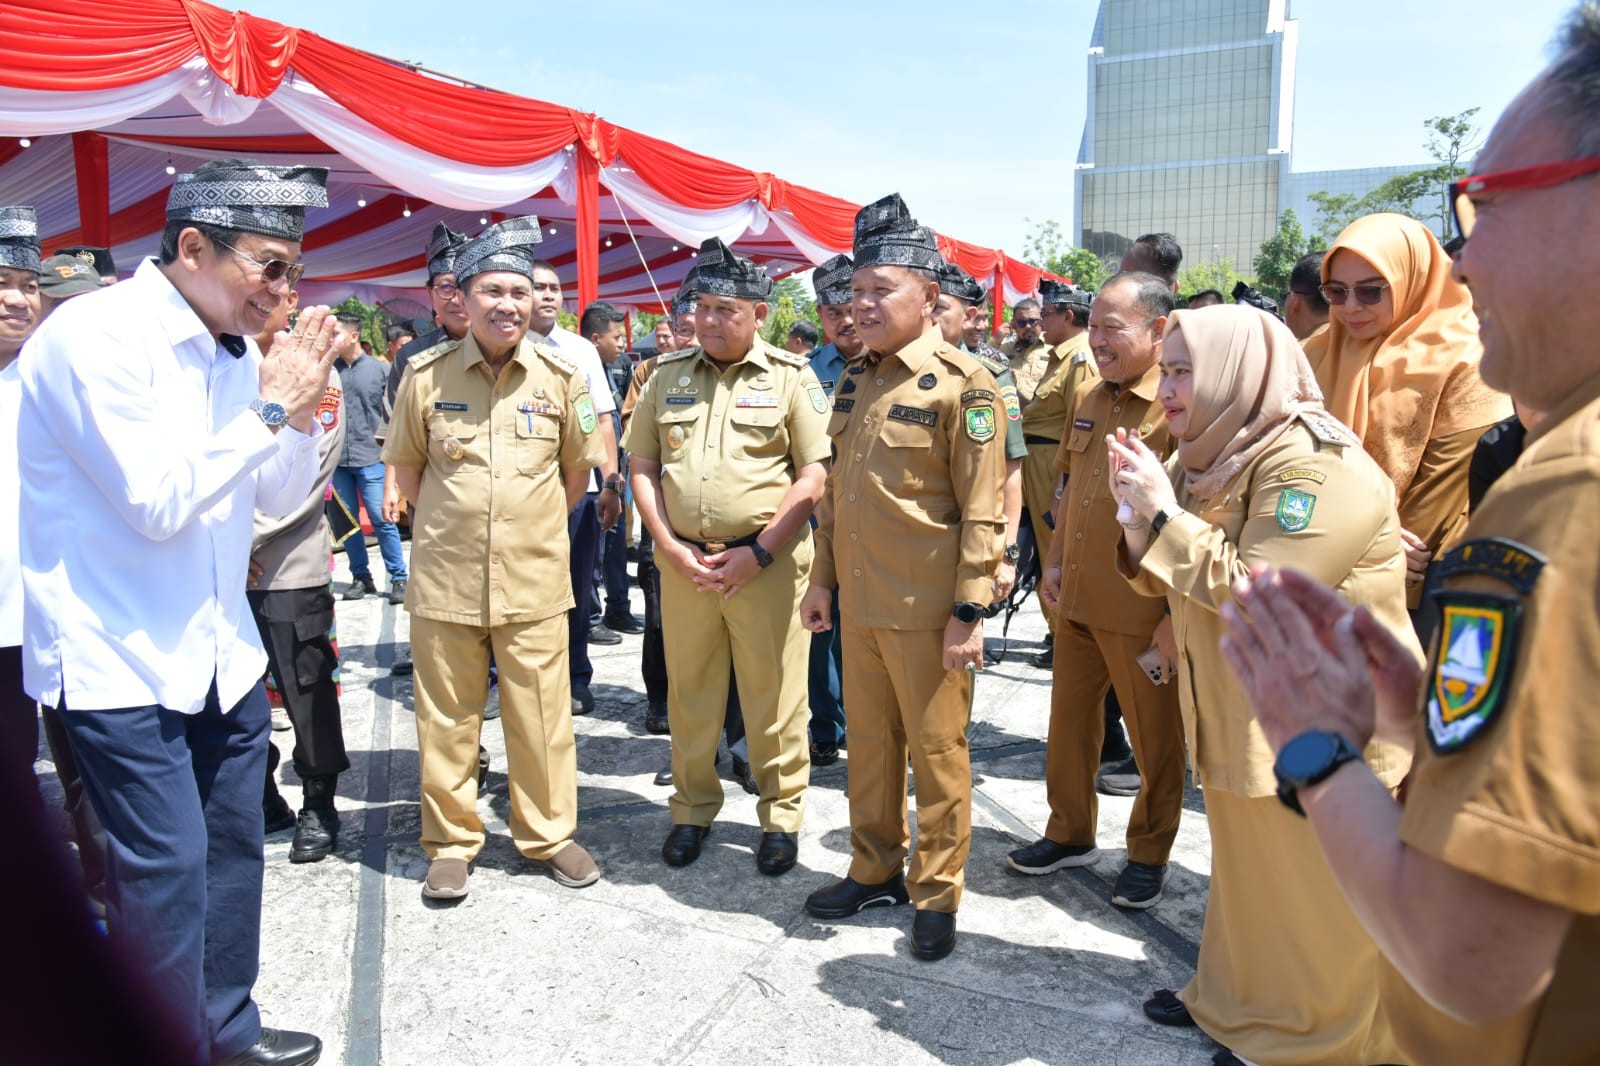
271,413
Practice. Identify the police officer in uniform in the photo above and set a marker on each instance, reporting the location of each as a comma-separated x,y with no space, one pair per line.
729,447
1104,625
493,437
910,530
1483,890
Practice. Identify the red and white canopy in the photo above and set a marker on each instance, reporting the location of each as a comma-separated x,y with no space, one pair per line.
101,101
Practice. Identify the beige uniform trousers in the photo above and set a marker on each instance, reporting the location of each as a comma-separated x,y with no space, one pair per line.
1086,661
1286,974
758,632
902,701
451,687
1039,480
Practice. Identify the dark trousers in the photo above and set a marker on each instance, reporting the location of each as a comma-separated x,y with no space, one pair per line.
826,667
19,719
614,569
583,533
294,625
653,655
180,798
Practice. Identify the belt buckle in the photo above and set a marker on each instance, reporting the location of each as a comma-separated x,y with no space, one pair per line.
716,547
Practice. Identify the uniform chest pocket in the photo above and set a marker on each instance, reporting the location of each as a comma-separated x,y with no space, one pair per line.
450,442
756,431
677,428
898,433
538,441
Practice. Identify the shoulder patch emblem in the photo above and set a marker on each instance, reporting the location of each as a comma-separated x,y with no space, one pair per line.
974,395
927,381
328,407
1301,474
1477,648
1516,564
819,399
1008,395
584,406
980,423
1294,510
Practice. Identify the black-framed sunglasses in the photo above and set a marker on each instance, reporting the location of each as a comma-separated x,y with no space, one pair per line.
1366,294
272,270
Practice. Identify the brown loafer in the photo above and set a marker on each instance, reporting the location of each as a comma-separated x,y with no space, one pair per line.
447,879
572,867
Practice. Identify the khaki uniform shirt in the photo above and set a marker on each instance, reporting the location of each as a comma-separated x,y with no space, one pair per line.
1314,501
1508,752
729,441
294,552
1027,364
1092,592
1069,365
490,546
912,521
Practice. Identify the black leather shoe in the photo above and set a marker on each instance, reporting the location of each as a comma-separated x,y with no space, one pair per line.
317,833
582,700
824,754
683,844
278,1047
277,815
359,588
742,774
623,623
655,718
1165,1008
933,934
848,897
601,635
664,777
397,591
1139,886
402,666
483,766
1044,660
778,853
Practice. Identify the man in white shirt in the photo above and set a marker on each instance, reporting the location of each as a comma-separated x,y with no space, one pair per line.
155,431
603,502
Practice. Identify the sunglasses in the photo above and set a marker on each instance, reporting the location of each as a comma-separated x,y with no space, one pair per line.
272,270
1025,323
1366,294
1543,176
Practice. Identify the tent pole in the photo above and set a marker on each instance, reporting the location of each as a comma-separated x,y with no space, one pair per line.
94,188
588,228
999,297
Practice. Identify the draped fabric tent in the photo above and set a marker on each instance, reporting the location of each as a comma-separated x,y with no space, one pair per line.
102,101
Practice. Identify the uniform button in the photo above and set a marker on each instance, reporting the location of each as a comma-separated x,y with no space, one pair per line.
705,477
497,473
1116,410
854,537
858,457
867,421
856,573
1095,472
710,445
1086,503
1074,566
497,518
880,381
852,497
1080,536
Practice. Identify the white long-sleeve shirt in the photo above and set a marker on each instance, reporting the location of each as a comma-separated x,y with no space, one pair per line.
142,467
10,570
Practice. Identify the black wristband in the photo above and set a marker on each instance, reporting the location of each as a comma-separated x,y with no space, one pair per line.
1159,522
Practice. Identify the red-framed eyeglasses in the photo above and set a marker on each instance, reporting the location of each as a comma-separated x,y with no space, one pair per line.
1543,176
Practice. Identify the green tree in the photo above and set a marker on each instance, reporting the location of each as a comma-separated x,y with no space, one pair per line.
1216,274
779,319
1450,139
373,321
1048,249
1335,211
1280,252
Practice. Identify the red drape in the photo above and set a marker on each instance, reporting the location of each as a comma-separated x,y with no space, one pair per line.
94,188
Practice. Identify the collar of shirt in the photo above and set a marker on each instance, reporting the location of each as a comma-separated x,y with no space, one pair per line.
828,361
178,321
757,356
914,354
1145,388
472,355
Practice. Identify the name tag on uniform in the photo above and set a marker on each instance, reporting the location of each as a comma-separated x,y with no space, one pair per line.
756,401
828,385
901,413
448,405
844,404
1083,423
679,401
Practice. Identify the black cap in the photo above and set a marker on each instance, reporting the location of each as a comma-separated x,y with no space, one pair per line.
104,265
1063,294
887,235
831,280
61,276
953,281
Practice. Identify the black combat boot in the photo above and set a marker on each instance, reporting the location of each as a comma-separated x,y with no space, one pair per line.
318,829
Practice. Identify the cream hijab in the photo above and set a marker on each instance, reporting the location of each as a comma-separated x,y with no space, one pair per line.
1420,380
1251,380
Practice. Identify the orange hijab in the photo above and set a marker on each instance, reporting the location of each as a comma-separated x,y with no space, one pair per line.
1419,381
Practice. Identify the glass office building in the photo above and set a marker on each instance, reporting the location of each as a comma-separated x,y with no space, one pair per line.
1188,128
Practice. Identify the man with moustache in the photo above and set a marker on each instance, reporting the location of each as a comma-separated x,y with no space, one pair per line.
910,532
1103,625
494,437
1025,349
728,448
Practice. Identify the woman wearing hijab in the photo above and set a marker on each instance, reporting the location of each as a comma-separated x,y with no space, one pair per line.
1400,368
1262,475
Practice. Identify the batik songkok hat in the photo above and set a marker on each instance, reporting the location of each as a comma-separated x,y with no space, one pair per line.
953,281
19,238
442,249
832,280
721,273
1061,294
688,293
249,197
505,245
887,235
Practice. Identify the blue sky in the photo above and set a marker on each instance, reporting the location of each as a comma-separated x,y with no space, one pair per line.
973,112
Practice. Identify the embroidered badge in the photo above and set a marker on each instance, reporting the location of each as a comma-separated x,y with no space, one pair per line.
1082,423
1008,395
1476,651
972,395
328,408
819,399
584,406
927,381
828,385
901,413
980,424
1515,564
1294,510
684,380
756,401
1303,475
844,405
675,437
857,369
848,387
447,405
453,449
679,401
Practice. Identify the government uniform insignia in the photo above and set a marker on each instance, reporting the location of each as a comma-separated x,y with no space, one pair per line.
675,437
980,424
819,399
584,406
848,387
927,381
756,401
1477,647
844,406
1008,396
1516,564
1294,510
453,450
328,408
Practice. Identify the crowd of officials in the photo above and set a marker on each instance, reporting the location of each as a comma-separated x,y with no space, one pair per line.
1311,554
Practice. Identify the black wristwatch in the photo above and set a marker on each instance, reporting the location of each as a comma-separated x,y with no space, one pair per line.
966,612
763,557
1311,757
1013,552
615,484
1159,522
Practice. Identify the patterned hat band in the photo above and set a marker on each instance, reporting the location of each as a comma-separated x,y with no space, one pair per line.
287,223
894,251
20,254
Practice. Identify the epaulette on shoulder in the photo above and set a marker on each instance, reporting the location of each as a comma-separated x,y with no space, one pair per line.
673,357
555,358
963,362
992,360
1327,430
785,356
434,354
